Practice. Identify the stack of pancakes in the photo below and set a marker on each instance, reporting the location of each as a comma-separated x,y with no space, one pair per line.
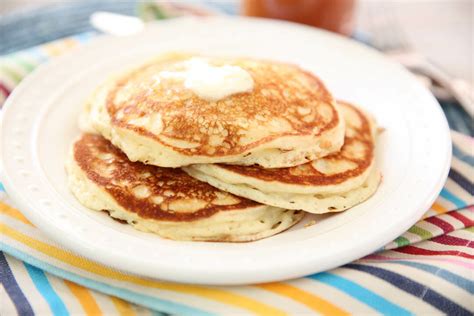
238,168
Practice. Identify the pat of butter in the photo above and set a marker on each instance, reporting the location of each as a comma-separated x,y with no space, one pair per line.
212,83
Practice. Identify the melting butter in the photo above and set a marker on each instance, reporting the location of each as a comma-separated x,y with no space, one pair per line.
210,82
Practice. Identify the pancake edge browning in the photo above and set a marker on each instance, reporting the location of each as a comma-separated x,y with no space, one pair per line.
311,203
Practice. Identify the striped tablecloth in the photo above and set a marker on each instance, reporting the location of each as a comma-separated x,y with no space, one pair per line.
427,270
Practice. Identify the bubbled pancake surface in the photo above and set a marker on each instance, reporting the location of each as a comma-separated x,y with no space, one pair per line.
330,184
285,103
354,160
355,157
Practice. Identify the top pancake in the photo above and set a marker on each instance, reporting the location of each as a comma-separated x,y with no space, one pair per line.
336,173
287,119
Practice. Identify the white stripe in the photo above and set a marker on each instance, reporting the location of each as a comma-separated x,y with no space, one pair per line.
62,290
6,304
462,167
443,287
430,213
469,213
26,229
7,200
464,234
386,290
456,223
431,245
37,301
462,141
457,190
431,260
106,306
391,245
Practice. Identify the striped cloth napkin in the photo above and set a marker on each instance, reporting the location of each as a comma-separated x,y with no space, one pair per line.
427,270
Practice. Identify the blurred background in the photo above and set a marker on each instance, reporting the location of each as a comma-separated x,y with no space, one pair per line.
433,38
440,29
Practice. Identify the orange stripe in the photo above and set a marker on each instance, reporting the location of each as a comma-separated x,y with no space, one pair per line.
314,302
60,47
438,208
85,298
216,294
124,308
12,212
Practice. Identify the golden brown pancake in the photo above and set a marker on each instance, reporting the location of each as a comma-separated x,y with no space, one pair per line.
332,183
166,201
287,119
358,138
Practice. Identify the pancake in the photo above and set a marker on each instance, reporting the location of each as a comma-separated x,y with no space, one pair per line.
330,184
165,201
287,118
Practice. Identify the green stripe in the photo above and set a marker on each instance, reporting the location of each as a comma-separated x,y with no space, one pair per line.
23,63
10,73
470,229
424,234
402,241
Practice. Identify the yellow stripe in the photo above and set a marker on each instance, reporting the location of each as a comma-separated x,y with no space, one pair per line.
60,47
85,298
438,208
12,212
314,302
90,266
124,308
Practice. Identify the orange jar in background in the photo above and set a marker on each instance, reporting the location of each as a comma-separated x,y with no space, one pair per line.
332,15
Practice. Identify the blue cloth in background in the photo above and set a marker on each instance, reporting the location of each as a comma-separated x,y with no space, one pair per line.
26,28
458,119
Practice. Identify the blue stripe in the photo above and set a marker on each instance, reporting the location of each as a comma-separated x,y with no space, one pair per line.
360,293
140,299
42,284
38,54
419,290
15,293
85,37
461,180
2,188
461,155
452,198
442,273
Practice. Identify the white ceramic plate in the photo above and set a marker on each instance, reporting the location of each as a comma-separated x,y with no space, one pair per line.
414,152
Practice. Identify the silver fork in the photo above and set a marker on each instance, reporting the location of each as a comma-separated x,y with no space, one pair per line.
387,35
